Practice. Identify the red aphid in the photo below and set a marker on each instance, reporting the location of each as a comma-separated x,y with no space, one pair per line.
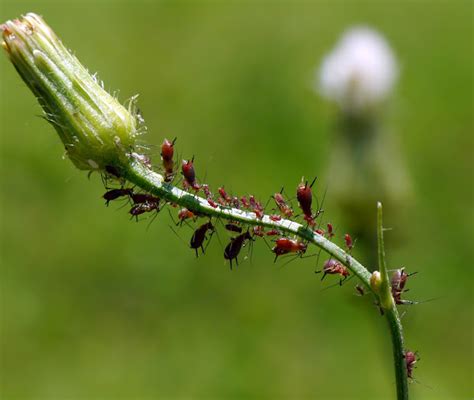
167,152
245,202
410,360
184,213
206,190
212,203
334,267
304,195
285,245
275,217
273,232
319,231
252,201
282,206
330,231
225,197
189,174
349,242
258,231
235,202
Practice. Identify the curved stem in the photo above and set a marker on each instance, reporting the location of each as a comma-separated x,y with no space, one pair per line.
391,313
153,183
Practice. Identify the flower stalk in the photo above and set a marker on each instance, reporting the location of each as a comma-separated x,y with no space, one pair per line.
99,134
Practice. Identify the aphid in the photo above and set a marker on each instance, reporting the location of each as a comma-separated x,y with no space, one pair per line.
184,214
235,202
199,236
114,194
330,231
349,242
275,217
360,290
206,190
245,202
398,282
111,170
141,208
410,360
233,228
319,231
258,231
227,199
282,206
305,199
221,201
212,203
144,198
256,207
167,153
233,249
189,173
333,267
273,232
142,158
285,245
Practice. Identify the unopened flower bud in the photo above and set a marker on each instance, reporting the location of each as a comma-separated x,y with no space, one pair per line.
375,281
97,131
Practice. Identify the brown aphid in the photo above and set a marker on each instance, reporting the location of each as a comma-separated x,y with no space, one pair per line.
114,194
397,282
334,267
141,208
199,236
233,227
410,360
233,249
144,198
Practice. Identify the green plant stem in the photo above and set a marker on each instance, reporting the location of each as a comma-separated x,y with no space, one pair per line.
391,313
153,183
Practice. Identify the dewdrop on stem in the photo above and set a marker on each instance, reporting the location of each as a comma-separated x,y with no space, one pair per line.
96,130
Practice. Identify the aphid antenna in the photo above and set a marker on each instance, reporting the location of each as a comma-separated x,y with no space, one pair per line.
344,281
157,211
266,243
179,237
414,302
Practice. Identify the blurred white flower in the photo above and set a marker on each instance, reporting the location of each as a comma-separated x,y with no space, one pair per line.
360,72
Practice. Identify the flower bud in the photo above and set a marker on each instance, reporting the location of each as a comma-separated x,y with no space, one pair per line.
360,71
376,281
97,131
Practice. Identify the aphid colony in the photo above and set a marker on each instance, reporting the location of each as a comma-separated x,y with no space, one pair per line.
240,236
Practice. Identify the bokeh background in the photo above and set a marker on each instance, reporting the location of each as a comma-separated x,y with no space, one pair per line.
95,306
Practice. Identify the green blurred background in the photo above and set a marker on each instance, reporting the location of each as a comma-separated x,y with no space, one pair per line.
95,306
